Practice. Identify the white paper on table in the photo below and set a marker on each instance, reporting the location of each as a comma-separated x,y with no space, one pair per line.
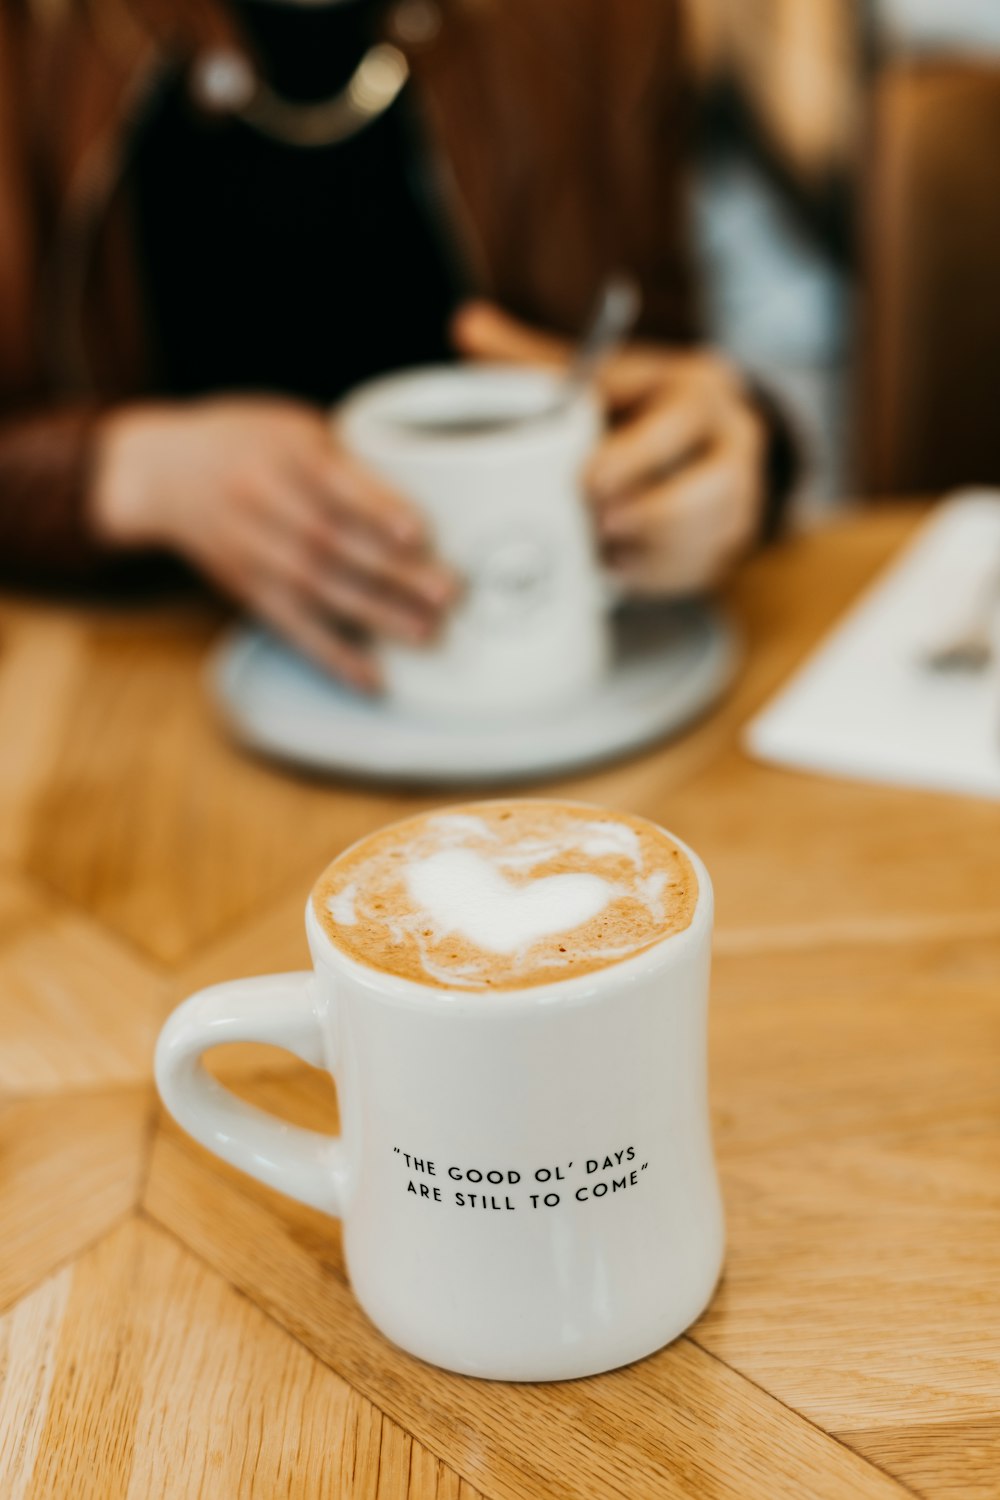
865,706
940,24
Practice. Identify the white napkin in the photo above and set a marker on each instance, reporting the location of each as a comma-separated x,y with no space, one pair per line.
866,706
930,25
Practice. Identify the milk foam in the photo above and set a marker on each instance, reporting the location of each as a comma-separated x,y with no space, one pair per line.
498,895
341,907
459,891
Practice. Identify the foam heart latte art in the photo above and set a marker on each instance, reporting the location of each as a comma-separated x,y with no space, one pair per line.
503,895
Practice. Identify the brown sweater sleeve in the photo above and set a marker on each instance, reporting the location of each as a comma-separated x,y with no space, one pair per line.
46,540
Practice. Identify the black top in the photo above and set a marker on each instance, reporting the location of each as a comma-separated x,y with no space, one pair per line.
273,267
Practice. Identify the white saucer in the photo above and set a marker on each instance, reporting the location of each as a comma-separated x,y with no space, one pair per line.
670,664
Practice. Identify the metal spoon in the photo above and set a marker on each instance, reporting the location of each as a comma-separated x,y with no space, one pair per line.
972,646
614,314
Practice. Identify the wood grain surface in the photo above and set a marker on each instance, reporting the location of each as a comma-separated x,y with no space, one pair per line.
205,1394
168,1329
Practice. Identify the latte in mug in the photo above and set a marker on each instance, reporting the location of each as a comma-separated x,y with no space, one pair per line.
506,895
512,1000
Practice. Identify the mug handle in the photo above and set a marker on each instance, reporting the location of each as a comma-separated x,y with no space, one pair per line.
285,1011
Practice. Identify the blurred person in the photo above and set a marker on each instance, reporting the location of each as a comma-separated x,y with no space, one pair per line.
219,215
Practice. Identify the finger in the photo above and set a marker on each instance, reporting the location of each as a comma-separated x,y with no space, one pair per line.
281,555
481,330
291,617
290,512
374,609
671,573
429,582
635,373
640,372
666,434
699,498
685,533
348,487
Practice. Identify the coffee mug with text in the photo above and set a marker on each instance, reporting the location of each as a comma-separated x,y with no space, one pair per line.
525,1174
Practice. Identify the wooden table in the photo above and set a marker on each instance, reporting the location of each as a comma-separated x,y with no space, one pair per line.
170,1330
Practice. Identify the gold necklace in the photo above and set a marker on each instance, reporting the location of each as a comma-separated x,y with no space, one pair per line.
223,82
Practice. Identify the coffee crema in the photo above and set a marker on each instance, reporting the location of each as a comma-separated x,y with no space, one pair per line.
506,895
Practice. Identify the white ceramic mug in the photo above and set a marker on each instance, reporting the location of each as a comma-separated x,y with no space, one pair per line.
497,474
525,1179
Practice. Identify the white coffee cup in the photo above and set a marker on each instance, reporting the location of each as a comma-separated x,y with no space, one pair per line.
495,465
525,1178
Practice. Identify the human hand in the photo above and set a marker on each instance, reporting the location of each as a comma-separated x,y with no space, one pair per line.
677,482
258,495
